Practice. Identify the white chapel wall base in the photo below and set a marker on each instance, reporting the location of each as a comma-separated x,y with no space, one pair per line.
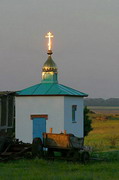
26,106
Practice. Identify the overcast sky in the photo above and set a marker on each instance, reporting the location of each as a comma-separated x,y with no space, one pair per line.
85,44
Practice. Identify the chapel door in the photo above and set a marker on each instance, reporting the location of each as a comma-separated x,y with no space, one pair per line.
39,127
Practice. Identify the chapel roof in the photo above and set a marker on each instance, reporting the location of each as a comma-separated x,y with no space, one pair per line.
50,89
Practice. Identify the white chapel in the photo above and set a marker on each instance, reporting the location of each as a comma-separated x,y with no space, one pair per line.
48,105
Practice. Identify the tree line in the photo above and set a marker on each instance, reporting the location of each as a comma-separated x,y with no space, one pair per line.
101,102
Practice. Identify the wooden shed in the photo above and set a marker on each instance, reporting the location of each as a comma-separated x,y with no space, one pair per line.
7,106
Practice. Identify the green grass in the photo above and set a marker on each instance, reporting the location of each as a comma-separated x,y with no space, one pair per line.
61,170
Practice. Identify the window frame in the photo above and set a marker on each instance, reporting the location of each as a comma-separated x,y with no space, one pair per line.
74,109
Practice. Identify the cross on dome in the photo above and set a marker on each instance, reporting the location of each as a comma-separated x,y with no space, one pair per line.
49,36
49,70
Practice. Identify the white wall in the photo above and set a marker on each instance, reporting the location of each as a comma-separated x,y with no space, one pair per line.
30,105
75,128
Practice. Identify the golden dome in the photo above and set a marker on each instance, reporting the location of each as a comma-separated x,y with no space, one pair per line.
49,65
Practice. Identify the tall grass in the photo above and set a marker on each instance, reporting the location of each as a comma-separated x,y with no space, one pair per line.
105,134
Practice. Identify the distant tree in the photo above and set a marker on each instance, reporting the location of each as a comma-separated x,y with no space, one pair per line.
101,102
87,121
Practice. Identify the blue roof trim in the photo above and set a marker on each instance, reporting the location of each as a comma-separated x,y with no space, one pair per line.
50,89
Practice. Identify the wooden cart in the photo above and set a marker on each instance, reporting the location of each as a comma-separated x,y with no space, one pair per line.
69,147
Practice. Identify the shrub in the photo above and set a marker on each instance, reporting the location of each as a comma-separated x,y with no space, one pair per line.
87,122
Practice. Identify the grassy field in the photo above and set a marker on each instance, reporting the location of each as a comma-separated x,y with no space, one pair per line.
105,134
105,142
60,170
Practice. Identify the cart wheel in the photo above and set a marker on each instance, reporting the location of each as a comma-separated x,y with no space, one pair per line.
37,147
85,157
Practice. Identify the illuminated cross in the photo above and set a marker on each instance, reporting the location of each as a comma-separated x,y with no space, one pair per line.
49,36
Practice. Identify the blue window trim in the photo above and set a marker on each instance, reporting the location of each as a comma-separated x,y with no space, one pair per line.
74,109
